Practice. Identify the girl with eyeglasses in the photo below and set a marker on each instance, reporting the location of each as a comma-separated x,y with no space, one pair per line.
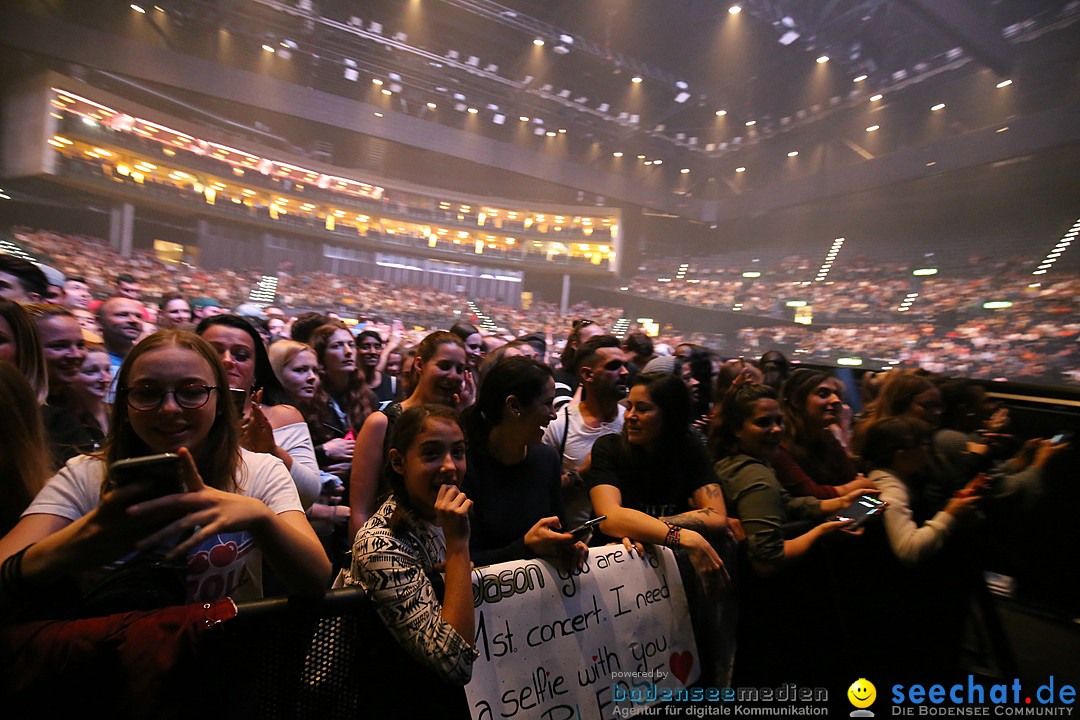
230,508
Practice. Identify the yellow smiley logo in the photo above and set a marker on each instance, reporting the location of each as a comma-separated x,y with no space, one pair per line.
862,693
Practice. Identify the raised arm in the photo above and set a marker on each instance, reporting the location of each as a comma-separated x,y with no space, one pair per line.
366,468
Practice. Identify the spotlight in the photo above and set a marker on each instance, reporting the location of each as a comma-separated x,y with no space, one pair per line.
538,42
635,79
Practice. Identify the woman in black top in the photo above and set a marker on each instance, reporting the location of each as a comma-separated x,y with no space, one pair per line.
514,481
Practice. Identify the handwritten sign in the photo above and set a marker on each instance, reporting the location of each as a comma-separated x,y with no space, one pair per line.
556,645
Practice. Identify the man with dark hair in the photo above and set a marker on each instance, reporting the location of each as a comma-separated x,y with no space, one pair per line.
369,350
639,348
127,286
566,379
307,323
77,293
601,368
21,280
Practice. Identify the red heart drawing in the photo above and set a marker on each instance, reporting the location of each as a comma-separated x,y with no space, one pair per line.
681,664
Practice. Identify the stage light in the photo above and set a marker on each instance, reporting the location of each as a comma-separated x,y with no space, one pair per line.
875,98
793,153
721,113
1004,83
635,79
740,169
872,128
859,78
734,9
751,123
939,106
616,154
538,42
138,9
822,59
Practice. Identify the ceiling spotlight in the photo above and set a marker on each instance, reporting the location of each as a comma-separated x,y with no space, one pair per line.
432,106
751,123
859,79
523,118
721,113
682,97
1004,83
616,154
740,169
562,131
872,128
823,59
793,153
635,79
685,171
789,37
560,49
640,157
376,81
384,91
551,133
138,9
473,111
939,106
658,162
734,9
538,42
875,98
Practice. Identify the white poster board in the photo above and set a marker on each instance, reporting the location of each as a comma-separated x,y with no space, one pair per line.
556,645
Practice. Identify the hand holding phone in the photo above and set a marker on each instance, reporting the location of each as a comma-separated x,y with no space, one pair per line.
860,511
159,474
582,531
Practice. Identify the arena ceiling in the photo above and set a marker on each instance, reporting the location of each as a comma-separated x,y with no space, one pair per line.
717,91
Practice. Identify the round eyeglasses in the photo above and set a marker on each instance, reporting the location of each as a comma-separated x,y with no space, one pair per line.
188,397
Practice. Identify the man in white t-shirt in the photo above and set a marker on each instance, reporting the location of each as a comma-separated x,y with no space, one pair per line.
601,368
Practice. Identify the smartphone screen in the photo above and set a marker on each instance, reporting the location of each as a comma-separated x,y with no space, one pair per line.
864,507
159,473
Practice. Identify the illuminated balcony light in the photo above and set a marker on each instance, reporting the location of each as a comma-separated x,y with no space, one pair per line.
939,106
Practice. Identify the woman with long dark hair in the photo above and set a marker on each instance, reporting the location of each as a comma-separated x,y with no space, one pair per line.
654,481
515,481
269,424
810,460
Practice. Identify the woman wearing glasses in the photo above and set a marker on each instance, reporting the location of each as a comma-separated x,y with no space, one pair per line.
233,507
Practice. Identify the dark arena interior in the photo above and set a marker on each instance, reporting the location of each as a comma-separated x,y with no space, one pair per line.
882,192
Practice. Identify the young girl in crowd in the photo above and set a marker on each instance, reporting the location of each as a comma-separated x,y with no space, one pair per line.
88,393
424,523
269,425
230,509
440,368
349,400
514,479
810,460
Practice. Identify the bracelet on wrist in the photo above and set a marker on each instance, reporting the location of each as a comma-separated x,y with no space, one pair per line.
674,534
12,581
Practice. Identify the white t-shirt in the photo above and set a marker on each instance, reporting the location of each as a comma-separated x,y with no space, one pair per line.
225,565
580,437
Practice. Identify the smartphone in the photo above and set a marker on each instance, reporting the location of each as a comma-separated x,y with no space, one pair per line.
239,399
582,530
864,507
159,473
1061,437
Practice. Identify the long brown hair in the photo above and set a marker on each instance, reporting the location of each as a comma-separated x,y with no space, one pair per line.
219,461
404,433
359,400
24,452
29,357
